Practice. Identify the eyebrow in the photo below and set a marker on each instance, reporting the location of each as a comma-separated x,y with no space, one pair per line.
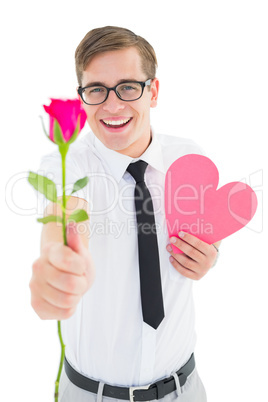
101,84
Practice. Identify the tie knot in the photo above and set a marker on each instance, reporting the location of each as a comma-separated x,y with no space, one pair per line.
137,170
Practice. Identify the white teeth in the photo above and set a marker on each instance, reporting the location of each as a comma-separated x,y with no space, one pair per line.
115,122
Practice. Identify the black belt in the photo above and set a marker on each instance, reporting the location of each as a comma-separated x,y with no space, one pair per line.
143,393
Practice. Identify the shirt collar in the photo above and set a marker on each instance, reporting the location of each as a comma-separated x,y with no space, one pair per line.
117,163
153,154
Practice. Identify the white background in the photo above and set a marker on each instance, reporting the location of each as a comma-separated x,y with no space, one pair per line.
213,67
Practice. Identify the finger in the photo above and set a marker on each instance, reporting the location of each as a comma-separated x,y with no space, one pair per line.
188,273
65,259
47,311
60,299
198,244
74,240
187,249
184,260
44,306
65,282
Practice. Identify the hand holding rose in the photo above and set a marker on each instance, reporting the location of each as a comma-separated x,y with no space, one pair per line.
61,276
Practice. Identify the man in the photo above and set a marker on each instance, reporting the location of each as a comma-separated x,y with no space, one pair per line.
93,285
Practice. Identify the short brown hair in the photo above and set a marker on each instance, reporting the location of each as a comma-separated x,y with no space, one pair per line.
109,38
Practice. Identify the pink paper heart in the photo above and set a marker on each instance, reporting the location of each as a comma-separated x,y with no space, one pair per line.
194,205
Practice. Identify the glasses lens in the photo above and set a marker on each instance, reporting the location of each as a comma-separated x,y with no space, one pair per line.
129,90
94,95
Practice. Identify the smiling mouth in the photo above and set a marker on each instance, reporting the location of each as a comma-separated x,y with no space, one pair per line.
116,123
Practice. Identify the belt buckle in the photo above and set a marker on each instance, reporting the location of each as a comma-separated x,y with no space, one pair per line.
132,389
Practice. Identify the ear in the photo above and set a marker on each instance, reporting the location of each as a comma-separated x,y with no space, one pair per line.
79,97
154,92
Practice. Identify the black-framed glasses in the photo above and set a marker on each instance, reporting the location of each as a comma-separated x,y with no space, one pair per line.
126,91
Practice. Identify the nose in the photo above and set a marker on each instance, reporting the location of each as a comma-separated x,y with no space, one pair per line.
113,104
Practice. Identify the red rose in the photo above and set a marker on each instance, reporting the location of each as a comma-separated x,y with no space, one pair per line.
70,117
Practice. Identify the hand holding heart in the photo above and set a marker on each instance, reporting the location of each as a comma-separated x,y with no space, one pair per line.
197,257
206,215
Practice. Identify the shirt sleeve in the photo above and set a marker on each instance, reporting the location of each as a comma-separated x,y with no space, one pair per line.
50,167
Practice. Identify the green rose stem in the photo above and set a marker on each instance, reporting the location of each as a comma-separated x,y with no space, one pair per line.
63,151
61,363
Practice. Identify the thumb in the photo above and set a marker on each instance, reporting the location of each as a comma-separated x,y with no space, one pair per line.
73,238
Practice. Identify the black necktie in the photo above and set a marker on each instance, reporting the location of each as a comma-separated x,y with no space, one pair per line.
150,279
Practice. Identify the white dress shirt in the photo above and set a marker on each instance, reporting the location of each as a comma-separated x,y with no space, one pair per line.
106,339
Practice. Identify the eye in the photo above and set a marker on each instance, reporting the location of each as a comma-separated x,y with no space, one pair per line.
91,91
127,88
96,90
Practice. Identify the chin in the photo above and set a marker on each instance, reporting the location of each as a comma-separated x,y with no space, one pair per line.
117,142
119,147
